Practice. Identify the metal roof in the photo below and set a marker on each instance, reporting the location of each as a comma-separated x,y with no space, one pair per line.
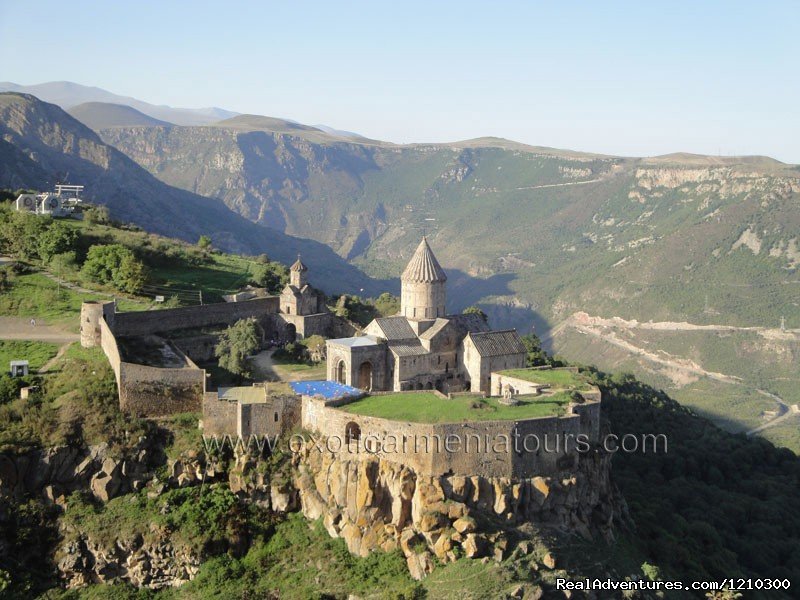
423,266
498,343
354,342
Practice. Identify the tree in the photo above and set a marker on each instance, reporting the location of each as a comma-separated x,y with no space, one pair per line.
204,243
20,233
130,275
476,310
56,239
387,304
536,354
272,276
236,343
115,264
97,215
316,347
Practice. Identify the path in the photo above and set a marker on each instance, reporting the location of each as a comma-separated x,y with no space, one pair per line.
595,327
264,366
20,328
551,185
49,364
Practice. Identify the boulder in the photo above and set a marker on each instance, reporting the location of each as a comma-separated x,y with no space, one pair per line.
464,525
104,486
475,546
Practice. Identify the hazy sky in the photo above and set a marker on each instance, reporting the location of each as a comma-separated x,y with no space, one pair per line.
631,78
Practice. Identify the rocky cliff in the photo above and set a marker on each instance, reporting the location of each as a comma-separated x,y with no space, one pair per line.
375,504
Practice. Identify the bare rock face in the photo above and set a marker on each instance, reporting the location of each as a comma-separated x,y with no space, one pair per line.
376,504
153,564
55,472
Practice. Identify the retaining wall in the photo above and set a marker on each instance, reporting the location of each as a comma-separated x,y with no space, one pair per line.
521,448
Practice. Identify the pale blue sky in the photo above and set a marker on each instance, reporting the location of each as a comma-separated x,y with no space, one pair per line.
631,78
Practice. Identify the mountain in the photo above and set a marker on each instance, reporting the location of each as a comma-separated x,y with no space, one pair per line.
103,115
42,145
67,95
537,235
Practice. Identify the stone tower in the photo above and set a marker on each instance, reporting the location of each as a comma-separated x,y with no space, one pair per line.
297,274
423,293
91,314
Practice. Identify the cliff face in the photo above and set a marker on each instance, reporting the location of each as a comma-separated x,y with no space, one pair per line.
376,504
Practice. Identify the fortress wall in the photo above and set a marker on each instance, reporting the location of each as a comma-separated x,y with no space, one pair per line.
219,416
109,345
153,391
589,414
199,348
154,321
524,448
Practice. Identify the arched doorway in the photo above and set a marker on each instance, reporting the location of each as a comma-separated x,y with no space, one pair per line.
352,432
291,333
429,386
365,376
340,373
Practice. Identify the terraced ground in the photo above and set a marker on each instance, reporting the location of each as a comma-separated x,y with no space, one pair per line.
427,407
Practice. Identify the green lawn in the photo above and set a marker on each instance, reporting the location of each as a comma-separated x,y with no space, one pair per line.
558,378
36,353
426,407
225,274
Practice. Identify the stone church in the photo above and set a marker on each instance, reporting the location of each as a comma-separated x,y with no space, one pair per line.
422,347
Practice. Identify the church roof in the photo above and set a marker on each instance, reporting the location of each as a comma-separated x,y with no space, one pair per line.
407,348
298,265
395,328
423,266
498,343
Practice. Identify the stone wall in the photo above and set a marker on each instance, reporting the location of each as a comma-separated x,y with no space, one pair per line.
200,348
153,391
521,448
219,416
188,317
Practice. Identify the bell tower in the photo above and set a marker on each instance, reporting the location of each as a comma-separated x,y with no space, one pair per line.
297,274
423,293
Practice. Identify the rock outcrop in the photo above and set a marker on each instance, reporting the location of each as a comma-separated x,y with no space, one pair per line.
151,564
376,504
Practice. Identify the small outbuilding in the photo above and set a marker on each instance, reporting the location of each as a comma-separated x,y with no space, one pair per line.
19,368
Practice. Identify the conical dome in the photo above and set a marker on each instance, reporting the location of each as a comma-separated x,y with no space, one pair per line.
298,265
423,266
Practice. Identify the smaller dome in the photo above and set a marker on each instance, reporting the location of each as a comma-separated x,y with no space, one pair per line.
298,265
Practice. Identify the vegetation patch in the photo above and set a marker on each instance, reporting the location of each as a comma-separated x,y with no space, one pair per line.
558,378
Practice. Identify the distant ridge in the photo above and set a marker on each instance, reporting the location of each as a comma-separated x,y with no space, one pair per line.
104,115
67,94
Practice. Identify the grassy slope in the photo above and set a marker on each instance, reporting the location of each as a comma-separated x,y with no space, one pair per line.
422,407
36,353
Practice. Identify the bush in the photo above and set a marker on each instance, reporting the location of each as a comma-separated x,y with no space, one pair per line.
115,264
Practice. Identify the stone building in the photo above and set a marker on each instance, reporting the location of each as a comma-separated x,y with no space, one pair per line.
303,307
422,347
